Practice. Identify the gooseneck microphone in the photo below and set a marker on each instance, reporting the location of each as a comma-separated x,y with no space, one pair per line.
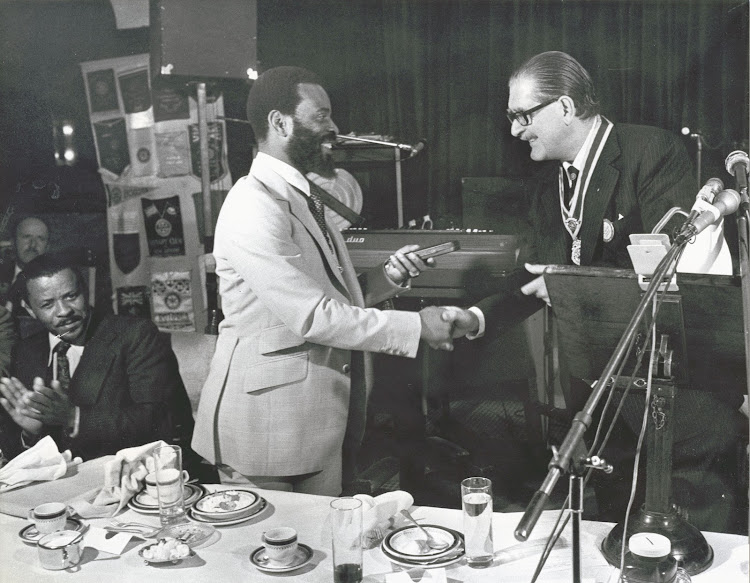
725,203
705,195
413,149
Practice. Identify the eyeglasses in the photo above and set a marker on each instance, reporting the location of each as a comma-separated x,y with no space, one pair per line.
524,117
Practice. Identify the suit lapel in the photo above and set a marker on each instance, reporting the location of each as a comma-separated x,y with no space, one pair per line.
96,360
600,191
298,207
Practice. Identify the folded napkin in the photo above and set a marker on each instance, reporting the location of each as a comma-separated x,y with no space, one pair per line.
123,477
381,513
43,462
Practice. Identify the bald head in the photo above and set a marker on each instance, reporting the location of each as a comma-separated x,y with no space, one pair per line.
31,240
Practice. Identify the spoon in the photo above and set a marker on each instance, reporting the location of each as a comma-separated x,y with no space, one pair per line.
431,542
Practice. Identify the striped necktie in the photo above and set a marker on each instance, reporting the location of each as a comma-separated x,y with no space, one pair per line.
318,211
63,366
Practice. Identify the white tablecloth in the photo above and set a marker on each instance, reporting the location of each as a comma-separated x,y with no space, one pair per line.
227,560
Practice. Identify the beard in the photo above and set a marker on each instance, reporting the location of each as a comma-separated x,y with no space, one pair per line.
305,152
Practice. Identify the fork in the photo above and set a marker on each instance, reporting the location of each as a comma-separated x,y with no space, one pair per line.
431,542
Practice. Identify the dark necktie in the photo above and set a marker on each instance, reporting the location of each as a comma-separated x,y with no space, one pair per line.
318,210
569,184
63,366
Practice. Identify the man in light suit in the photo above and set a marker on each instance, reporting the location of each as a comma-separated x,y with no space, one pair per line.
626,178
116,383
288,378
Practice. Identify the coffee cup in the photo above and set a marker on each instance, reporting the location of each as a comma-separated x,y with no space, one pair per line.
49,517
60,550
281,544
150,481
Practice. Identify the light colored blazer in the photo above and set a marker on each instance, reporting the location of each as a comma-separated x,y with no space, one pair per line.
276,399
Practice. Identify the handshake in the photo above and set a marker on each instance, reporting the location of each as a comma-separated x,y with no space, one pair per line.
441,324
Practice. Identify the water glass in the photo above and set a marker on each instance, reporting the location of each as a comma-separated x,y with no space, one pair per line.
346,541
169,484
476,501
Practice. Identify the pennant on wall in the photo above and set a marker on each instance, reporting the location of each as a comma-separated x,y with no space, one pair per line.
141,152
134,90
163,226
133,301
102,92
112,142
117,194
215,150
173,153
173,302
170,103
126,248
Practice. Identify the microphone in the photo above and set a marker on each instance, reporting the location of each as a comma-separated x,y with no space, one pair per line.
705,197
417,148
412,149
725,203
687,132
738,165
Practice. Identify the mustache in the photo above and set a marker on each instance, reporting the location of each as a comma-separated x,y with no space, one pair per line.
70,320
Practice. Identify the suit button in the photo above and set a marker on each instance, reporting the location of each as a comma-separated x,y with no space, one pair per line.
346,368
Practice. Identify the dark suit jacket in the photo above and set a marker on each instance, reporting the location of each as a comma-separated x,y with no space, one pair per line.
642,172
127,385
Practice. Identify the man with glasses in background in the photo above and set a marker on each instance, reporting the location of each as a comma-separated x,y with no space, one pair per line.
599,182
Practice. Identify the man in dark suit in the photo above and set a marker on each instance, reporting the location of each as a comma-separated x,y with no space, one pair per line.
598,183
96,384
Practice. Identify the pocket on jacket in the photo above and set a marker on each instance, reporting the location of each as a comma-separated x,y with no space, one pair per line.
277,338
276,371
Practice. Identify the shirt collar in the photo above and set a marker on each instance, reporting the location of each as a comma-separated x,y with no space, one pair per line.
289,173
55,340
583,153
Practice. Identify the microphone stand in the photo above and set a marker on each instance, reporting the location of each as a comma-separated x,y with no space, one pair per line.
569,454
743,234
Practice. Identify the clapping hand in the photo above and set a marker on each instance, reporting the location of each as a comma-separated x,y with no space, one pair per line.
15,401
50,405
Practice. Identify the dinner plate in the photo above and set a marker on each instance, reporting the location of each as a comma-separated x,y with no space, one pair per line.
227,504
408,542
427,563
144,503
301,558
193,516
29,533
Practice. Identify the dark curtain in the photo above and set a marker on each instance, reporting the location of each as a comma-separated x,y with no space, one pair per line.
438,70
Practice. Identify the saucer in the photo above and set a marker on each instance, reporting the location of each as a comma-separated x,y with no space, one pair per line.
29,534
301,558
191,533
226,504
144,503
229,522
164,561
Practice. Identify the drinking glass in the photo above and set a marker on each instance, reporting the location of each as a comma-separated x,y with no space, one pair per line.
476,501
346,528
169,484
